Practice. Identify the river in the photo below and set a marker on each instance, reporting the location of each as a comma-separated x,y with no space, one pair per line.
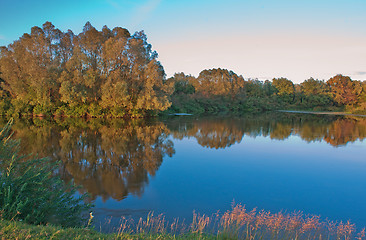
179,164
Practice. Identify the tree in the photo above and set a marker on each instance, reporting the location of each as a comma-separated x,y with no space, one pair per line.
313,93
268,88
219,82
362,98
284,86
254,88
344,90
90,43
3,94
109,68
182,83
145,78
118,159
314,87
30,67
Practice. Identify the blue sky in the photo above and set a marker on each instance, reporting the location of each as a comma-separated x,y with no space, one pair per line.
256,38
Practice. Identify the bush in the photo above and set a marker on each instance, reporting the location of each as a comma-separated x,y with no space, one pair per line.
30,192
117,112
43,110
78,111
61,111
95,110
19,108
4,106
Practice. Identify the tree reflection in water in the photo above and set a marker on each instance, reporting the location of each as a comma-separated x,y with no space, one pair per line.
223,132
111,159
114,158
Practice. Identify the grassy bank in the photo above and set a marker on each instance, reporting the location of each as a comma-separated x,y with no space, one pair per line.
18,230
237,223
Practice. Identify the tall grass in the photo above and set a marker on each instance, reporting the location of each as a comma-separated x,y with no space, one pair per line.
240,223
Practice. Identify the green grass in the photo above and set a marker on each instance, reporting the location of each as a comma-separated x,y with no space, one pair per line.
18,230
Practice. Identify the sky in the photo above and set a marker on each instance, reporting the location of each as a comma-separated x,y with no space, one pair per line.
260,39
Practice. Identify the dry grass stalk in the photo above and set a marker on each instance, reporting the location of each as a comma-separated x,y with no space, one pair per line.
239,223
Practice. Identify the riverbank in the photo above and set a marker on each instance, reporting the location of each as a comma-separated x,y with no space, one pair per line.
237,223
18,230
323,113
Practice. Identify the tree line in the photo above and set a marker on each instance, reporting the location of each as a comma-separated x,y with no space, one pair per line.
222,91
113,73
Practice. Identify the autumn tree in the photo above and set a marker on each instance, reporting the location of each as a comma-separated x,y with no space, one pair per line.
81,79
313,86
118,159
145,78
219,82
113,72
283,86
31,65
183,84
114,90
134,79
362,98
3,94
314,93
344,90
107,68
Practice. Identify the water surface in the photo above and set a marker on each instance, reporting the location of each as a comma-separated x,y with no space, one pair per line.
275,161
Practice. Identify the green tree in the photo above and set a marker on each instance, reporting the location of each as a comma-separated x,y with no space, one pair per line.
314,87
182,83
313,94
254,88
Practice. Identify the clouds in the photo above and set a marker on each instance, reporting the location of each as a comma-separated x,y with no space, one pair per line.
2,37
143,12
360,73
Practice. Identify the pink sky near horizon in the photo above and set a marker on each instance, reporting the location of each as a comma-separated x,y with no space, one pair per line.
296,57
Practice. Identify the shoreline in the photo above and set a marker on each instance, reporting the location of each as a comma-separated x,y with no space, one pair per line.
322,113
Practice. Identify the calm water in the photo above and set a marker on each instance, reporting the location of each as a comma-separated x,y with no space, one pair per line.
314,164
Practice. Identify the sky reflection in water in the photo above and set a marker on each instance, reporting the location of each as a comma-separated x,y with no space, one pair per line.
315,164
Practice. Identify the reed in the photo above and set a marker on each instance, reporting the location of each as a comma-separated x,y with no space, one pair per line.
237,223
241,223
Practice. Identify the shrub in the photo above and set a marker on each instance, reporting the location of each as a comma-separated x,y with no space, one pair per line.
4,106
117,112
43,110
95,110
61,111
30,192
19,108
